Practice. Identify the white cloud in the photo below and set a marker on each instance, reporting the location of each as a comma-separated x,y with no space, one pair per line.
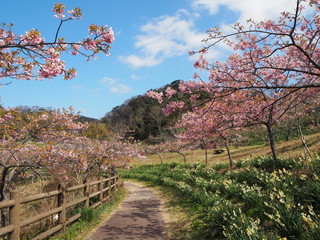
137,61
174,35
108,81
120,88
257,10
135,77
165,37
114,87
254,9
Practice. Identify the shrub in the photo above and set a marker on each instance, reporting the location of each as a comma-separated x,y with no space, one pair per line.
212,220
285,215
268,163
309,193
221,166
250,177
254,204
241,164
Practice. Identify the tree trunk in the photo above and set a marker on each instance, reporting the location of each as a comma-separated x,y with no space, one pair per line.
184,156
160,158
271,142
317,117
303,141
288,133
229,153
160,128
205,152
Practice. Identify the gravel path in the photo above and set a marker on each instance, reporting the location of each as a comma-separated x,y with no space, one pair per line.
138,217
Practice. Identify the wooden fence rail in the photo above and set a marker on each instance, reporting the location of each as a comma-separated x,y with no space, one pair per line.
15,203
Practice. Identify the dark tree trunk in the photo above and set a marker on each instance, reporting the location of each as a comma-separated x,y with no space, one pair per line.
205,152
229,153
288,133
303,141
272,142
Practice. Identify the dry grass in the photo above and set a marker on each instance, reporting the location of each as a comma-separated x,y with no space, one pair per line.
291,148
34,187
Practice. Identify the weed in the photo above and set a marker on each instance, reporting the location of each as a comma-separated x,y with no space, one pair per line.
88,215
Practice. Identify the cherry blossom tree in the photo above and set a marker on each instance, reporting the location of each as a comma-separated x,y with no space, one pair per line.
295,117
43,141
196,130
30,56
120,151
210,123
169,146
158,149
269,54
177,146
52,143
33,146
274,68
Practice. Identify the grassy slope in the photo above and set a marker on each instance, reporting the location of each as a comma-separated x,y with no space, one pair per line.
285,149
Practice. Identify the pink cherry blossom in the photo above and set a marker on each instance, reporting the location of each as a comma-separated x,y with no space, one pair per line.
108,37
170,92
30,56
156,95
59,10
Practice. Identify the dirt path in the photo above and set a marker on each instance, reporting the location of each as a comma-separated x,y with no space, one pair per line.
138,217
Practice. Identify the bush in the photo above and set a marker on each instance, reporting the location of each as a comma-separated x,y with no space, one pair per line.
221,166
241,164
309,193
213,220
268,163
250,177
315,165
285,215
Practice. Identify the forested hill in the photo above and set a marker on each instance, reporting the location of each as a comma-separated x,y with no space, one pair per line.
141,117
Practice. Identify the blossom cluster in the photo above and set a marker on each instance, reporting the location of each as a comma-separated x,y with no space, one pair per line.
30,56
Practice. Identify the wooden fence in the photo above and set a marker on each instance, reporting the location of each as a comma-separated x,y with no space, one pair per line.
105,187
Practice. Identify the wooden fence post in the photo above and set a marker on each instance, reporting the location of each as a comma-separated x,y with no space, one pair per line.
101,189
109,186
87,194
14,215
62,203
112,183
115,183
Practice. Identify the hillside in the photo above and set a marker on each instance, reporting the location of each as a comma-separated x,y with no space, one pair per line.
292,148
141,117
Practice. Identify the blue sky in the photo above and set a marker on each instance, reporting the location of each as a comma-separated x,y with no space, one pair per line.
150,49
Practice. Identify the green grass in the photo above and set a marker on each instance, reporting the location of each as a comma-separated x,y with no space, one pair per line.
261,199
